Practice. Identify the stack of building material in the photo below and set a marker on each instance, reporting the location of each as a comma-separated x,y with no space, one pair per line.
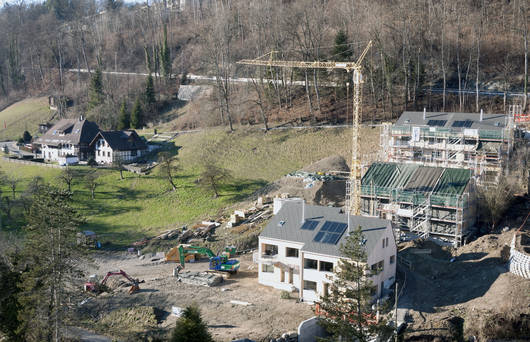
201,278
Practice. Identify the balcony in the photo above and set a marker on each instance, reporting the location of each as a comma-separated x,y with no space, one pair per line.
261,258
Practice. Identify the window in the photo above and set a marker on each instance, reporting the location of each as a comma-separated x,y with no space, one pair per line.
267,268
387,242
378,268
98,153
108,154
310,285
392,259
310,264
291,252
383,242
326,266
270,249
133,153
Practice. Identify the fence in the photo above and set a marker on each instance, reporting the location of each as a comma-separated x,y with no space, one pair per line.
28,162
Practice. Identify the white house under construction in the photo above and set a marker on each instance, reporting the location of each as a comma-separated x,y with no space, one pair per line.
478,142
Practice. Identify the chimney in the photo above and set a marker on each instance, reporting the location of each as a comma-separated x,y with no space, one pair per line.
303,210
424,113
481,114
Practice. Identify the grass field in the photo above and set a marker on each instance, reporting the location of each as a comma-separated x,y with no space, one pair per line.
127,210
23,115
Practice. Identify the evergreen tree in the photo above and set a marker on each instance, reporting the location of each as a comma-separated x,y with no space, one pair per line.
124,121
190,327
9,307
27,137
95,91
53,260
149,93
136,114
342,50
347,305
165,56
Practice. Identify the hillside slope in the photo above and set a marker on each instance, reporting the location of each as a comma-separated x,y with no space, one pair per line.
23,115
127,210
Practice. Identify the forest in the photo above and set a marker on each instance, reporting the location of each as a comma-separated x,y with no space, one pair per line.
440,55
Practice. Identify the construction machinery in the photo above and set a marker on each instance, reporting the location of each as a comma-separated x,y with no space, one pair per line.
93,286
353,186
181,253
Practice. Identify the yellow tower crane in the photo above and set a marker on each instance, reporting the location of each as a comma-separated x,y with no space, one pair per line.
353,186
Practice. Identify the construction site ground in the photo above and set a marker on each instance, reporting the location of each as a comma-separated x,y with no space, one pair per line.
123,316
471,283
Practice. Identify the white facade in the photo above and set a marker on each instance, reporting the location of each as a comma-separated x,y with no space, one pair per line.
55,153
310,274
104,154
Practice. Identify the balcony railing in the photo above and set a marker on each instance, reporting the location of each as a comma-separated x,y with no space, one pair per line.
260,258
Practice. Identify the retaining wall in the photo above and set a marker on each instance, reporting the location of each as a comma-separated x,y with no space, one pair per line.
519,261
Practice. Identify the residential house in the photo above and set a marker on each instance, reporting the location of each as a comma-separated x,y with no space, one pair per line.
300,248
67,142
110,146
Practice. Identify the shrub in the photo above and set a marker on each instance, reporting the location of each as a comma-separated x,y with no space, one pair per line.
285,295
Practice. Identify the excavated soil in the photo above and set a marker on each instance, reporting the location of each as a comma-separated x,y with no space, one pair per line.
471,283
265,318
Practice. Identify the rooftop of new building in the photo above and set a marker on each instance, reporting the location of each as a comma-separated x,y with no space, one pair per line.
454,121
321,229
415,183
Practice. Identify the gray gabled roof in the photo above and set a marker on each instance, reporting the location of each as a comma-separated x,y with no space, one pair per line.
493,122
121,140
69,131
291,215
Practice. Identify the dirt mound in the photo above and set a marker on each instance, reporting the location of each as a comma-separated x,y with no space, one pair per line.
332,163
130,319
116,283
487,244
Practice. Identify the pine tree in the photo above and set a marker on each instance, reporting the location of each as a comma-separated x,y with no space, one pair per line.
165,56
124,121
149,93
136,114
9,307
53,260
148,62
342,50
190,327
347,306
95,91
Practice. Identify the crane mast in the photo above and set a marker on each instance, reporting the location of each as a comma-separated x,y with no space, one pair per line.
353,185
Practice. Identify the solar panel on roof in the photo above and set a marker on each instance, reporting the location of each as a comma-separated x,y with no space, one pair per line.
439,123
319,236
463,123
309,225
330,232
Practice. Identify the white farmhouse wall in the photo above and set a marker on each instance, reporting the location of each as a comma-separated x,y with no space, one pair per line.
104,154
387,276
53,153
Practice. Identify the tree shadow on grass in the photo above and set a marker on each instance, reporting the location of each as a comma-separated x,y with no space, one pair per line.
240,189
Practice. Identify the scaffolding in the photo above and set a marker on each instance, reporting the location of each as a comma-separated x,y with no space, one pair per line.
457,140
426,201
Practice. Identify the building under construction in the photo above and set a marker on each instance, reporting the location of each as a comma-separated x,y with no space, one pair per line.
478,142
428,201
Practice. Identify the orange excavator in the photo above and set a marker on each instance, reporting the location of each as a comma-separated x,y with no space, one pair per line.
98,287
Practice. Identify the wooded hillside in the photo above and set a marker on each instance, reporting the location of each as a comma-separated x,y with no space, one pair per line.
423,52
